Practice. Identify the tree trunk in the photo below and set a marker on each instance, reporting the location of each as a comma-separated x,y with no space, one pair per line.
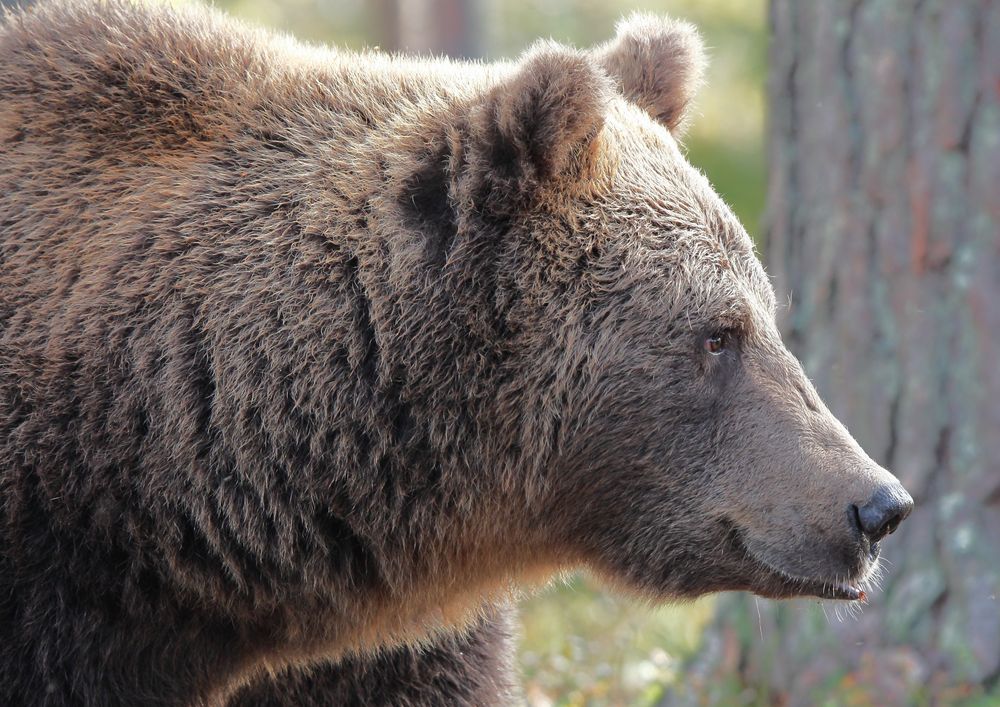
883,238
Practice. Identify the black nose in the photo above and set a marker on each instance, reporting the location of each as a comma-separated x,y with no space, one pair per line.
884,512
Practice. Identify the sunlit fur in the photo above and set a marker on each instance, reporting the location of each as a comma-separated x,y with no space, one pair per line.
308,358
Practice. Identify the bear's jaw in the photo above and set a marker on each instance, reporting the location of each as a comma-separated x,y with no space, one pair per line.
792,587
768,579
775,583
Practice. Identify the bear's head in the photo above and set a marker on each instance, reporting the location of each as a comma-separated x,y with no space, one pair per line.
646,410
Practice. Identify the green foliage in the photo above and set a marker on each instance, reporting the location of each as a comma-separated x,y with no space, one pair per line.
581,645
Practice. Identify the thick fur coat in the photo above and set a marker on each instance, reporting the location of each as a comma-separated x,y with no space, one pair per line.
308,358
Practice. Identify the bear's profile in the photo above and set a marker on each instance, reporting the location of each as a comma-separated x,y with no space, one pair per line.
307,358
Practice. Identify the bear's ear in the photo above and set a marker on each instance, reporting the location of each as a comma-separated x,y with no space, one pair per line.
658,64
534,128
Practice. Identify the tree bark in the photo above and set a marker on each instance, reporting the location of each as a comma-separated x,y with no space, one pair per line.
883,238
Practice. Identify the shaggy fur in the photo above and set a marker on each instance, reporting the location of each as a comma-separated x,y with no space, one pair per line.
307,358
658,65
472,670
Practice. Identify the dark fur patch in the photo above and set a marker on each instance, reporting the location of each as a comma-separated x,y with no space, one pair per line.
468,669
426,200
365,351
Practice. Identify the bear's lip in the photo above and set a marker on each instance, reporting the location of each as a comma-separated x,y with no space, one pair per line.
780,584
788,587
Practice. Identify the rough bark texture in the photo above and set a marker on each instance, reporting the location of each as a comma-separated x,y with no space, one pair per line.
884,240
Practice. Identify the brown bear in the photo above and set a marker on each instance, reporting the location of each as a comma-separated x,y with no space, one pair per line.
307,358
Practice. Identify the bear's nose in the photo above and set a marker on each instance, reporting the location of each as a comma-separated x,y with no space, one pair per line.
887,508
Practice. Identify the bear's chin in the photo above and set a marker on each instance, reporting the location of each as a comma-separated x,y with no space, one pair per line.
768,579
791,587
774,583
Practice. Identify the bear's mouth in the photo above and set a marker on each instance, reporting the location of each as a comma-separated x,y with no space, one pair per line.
788,587
775,583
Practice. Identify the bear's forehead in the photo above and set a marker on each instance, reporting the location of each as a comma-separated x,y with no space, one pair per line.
664,213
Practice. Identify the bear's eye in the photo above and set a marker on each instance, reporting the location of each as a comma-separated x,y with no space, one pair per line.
716,343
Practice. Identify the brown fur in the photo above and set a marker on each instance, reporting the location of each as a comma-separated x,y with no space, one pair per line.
473,670
307,355
658,65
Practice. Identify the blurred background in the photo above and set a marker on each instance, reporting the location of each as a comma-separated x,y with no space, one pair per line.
859,142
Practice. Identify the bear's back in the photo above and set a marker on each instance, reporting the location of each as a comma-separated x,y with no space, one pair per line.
136,133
